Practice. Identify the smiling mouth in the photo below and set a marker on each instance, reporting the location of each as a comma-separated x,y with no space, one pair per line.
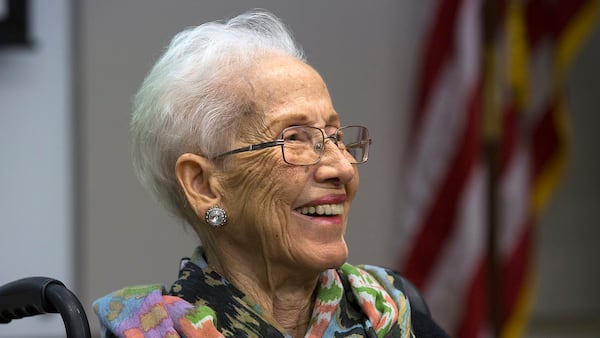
322,209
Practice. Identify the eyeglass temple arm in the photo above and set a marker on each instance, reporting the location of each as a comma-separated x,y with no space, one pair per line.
357,144
252,147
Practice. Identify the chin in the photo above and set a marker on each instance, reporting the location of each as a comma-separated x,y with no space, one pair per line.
332,256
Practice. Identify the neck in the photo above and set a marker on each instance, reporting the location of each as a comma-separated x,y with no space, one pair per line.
286,297
294,318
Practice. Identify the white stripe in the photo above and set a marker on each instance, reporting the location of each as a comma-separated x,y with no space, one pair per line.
513,200
540,80
443,124
435,148
459,259
437,144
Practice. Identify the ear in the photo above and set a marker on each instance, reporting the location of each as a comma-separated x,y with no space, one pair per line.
195,175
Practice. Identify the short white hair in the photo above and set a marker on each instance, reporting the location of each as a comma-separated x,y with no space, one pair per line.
189,101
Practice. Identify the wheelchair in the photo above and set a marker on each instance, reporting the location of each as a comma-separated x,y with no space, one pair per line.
33,296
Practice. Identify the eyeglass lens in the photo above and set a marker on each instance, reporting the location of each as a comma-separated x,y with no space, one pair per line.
304,145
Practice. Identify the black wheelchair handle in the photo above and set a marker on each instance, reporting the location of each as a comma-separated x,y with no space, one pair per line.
38,295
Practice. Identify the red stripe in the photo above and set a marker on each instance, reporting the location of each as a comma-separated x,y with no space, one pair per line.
545,141
564,12
537,13
438,50
548,19
514,270
440,219
475,311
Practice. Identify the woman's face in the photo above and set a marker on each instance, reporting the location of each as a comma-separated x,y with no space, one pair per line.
269,200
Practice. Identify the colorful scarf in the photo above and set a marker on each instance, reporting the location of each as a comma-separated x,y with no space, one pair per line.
357,301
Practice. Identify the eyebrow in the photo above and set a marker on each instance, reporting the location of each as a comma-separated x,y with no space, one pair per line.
302,119
299,119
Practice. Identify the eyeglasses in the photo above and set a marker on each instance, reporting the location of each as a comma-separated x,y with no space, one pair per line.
304,145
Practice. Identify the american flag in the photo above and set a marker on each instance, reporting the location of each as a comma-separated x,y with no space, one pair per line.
486,146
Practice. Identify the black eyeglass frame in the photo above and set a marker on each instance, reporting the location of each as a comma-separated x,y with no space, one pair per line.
281,142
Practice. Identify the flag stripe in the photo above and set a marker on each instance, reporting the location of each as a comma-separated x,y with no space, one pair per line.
475,312
547,178
432,229
440,47
515,268
439,221
546,140
459,259
538,24
517,321
564,13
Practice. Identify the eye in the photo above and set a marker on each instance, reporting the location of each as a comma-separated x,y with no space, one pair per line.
318,146
297,134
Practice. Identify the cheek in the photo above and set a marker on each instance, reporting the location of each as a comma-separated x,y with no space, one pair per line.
262,190
353,184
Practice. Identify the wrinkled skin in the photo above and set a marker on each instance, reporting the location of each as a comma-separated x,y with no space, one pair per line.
268,249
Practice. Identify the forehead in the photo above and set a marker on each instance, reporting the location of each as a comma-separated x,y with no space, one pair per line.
289,91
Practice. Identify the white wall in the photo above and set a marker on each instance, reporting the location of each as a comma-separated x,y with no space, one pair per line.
36,206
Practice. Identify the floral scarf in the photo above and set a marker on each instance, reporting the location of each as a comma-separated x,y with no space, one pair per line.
357,301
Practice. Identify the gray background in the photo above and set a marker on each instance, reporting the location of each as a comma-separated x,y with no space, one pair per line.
366,53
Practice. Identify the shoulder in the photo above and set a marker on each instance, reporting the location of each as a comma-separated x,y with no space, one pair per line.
116,304
133,310
395,283
423,325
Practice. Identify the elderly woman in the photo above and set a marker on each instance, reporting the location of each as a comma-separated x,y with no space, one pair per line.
236,135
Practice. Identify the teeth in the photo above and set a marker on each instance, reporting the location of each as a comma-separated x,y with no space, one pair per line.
323,209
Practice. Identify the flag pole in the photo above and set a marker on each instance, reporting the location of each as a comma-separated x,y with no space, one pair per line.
491,132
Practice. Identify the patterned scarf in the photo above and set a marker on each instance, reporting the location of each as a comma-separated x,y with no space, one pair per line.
363,301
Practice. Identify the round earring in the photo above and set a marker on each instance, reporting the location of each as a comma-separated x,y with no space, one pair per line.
216,216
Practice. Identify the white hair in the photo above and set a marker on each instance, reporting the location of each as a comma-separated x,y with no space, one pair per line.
189,102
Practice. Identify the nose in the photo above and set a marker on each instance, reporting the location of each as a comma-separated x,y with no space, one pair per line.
335,164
